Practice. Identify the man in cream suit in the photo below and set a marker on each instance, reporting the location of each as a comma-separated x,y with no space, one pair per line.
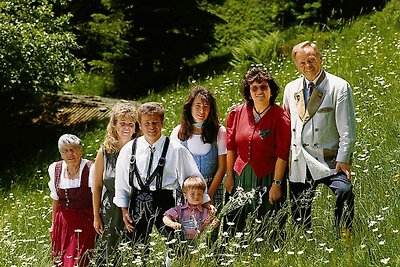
323,127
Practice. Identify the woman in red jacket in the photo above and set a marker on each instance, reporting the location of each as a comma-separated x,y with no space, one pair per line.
258,140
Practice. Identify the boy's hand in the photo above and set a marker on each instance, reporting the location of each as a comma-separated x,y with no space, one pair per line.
215,223
176,226
212,210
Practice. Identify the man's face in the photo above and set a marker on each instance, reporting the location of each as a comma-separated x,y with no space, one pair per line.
308,62
151,126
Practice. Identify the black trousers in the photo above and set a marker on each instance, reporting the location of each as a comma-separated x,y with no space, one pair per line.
151,214
302,194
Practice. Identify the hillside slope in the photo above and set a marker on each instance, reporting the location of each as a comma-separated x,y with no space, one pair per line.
367,54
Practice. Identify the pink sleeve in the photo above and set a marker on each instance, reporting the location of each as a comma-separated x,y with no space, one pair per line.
173,213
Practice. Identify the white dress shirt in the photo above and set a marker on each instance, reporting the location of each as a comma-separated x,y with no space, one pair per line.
179,165
307,87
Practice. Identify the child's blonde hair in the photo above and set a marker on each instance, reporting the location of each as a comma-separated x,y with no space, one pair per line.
194,182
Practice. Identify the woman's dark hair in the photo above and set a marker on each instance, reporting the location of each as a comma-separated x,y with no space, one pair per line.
211,124
259,75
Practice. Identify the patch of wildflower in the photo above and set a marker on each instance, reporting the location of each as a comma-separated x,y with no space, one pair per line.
237,200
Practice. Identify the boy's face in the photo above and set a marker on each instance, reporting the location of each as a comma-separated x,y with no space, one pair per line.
194,196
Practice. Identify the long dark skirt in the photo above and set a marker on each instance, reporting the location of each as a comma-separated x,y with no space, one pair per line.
259,207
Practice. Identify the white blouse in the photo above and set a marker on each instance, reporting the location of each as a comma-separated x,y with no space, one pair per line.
198,147
66,183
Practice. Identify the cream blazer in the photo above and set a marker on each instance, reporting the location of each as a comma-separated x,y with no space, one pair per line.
324,131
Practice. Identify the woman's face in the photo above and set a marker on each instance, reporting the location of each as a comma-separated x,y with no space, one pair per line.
200,109
71,153
260,92
125,128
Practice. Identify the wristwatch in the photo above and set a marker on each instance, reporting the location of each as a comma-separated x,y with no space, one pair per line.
277,182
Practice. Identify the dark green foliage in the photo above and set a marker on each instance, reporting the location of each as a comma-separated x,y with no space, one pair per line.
34,48
35,58
80,24
293,12
35,54
143,45
163,34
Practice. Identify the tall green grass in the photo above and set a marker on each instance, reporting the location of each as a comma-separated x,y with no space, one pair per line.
367,54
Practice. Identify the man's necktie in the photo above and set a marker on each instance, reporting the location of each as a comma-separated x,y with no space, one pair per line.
152,149
311,87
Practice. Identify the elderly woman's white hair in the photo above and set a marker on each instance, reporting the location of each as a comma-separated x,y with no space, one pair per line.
68,139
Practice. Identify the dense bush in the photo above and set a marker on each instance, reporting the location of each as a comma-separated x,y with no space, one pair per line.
35,58
34,48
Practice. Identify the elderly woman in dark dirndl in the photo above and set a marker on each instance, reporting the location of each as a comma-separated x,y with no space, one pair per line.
72,232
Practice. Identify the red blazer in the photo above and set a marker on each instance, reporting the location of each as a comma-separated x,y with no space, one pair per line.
258,144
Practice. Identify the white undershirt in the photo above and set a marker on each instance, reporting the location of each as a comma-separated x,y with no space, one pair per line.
197,147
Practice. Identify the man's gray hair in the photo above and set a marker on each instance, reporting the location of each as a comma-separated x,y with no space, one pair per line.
301,45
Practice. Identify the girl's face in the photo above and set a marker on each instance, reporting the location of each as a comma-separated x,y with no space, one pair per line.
125,128
200,109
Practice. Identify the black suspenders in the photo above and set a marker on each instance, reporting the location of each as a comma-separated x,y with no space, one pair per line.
157,173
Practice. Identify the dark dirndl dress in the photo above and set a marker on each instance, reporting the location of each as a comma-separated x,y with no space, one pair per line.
111,215
73,235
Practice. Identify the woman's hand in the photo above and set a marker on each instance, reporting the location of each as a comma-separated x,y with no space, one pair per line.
51,230
275,193
212,210
98,224
229,183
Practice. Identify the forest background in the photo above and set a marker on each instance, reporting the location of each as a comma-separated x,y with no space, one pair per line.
157,51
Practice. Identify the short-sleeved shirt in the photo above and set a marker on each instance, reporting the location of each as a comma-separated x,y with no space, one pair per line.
192,219
66,183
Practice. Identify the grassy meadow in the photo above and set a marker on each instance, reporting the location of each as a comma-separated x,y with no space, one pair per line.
367,54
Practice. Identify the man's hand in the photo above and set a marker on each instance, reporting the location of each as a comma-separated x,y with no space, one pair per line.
344,167
128,221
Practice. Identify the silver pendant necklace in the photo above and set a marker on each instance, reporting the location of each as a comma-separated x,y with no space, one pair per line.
257,117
